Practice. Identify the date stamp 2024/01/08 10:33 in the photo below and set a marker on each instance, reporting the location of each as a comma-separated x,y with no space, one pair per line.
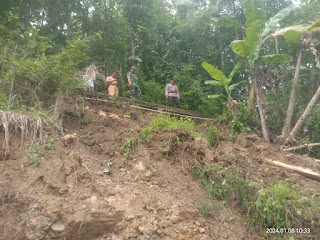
288,230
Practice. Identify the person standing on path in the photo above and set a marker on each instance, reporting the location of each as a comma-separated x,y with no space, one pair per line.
113,84
134,91
172,94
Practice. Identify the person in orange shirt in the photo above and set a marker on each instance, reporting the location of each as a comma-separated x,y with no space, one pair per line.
113,84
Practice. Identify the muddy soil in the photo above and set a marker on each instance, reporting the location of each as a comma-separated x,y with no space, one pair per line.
86,189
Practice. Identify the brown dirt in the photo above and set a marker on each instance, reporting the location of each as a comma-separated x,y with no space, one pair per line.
151,195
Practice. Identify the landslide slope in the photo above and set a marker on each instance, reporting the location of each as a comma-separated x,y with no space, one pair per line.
85,188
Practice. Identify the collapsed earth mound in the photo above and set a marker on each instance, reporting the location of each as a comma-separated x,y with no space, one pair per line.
111,177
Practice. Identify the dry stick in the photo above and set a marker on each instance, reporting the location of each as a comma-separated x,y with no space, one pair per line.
310,145
302,171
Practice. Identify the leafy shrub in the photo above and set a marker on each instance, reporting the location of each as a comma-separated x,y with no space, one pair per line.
196,172
222,184
281,206
277,205
211,135
127,147
36,153
240,122
49,143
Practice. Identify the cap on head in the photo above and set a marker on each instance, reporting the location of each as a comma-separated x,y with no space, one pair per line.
133,67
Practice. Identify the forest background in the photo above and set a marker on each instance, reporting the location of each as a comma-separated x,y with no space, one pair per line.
44,43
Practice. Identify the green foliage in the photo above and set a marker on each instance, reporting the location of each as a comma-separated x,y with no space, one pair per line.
49,143
311,133
3,101
277,205
256,32
207,208
240,122
35,154
153,92
196,172
222,80
87,120
222,185
166,122
38,149
256,18
281,206
276,58
211,135
292,36
216,74
127,147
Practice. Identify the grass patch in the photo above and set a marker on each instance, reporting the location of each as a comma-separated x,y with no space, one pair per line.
211,135
277,205
166,122
207,208
86,120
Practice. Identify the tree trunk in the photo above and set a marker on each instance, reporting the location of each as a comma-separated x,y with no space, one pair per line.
286,126
303,116
258,90
277,45
251,98
133,57
221,55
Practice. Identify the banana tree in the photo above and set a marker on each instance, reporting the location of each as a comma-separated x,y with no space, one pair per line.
257,33
223,81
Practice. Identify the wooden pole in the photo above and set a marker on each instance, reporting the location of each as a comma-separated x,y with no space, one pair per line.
300,170
310,145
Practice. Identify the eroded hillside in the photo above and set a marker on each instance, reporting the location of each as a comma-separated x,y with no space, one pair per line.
104,179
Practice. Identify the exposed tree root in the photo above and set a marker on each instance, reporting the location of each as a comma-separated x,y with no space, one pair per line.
15,123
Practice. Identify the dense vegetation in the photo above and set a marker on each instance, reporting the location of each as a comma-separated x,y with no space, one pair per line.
45,43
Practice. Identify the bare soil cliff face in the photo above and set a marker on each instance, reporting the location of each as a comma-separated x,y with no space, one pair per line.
85,189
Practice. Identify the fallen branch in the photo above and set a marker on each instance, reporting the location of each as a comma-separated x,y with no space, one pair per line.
310,145
300,170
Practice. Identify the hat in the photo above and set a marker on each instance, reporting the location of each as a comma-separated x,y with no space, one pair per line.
133,67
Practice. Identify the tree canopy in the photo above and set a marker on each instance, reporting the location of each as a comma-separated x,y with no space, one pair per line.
44,43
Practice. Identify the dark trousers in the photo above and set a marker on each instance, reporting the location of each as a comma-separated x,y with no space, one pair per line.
174,100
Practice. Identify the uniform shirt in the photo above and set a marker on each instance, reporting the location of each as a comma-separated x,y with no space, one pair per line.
134,79
172,90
